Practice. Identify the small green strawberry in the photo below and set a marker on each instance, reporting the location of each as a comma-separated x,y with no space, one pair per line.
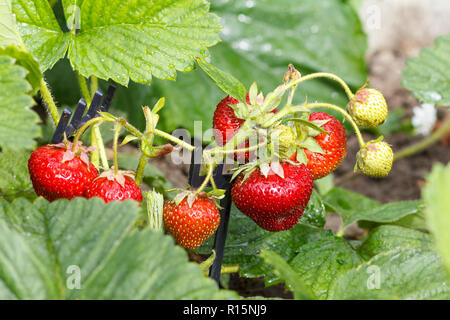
375,159
368,108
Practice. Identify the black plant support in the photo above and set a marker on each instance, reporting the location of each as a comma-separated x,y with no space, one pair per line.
222,181
78,119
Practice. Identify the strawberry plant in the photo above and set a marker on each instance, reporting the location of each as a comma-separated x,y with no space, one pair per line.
86,218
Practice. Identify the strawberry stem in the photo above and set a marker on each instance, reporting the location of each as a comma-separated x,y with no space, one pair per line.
316,75
149,127
229,269
83,128
48,99
425,143
210,166
100,145
117,128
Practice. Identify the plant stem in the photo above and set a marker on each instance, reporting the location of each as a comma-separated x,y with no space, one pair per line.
149,127
83,88
173,139
425,143
93,80
48,99
141,169
229,269
316,75
100,145
82,129
95,155
117,128
210,165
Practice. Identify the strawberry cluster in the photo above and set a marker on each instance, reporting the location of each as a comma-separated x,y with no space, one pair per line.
276,199
62,171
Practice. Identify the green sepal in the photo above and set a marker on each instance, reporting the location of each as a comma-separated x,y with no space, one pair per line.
312,145
159,105
301,156
314,128
217,193
127,139
107,116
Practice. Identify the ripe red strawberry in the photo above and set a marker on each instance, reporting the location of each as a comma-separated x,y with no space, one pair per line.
274,203
114,187
333,144
191,226
226,125
57,172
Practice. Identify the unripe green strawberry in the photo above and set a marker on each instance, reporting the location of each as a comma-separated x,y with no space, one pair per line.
368,108
375,159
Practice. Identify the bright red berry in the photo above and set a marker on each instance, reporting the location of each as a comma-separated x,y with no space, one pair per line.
191,226
57,172
226,125
114,187
273,202
334,146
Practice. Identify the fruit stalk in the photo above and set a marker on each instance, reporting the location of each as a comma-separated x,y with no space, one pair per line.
117,128
82,129
149,127
48,99
316,75
425,143
100,145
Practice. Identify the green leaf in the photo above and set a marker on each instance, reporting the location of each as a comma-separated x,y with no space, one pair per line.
259,41
40,31
18,123
400,273
354,207
436,196
125,40
120,40
43,246
9,34
319,263
426,76
14,177
285,272
223,80
26,60
245,240
314,214
385,238
325,184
